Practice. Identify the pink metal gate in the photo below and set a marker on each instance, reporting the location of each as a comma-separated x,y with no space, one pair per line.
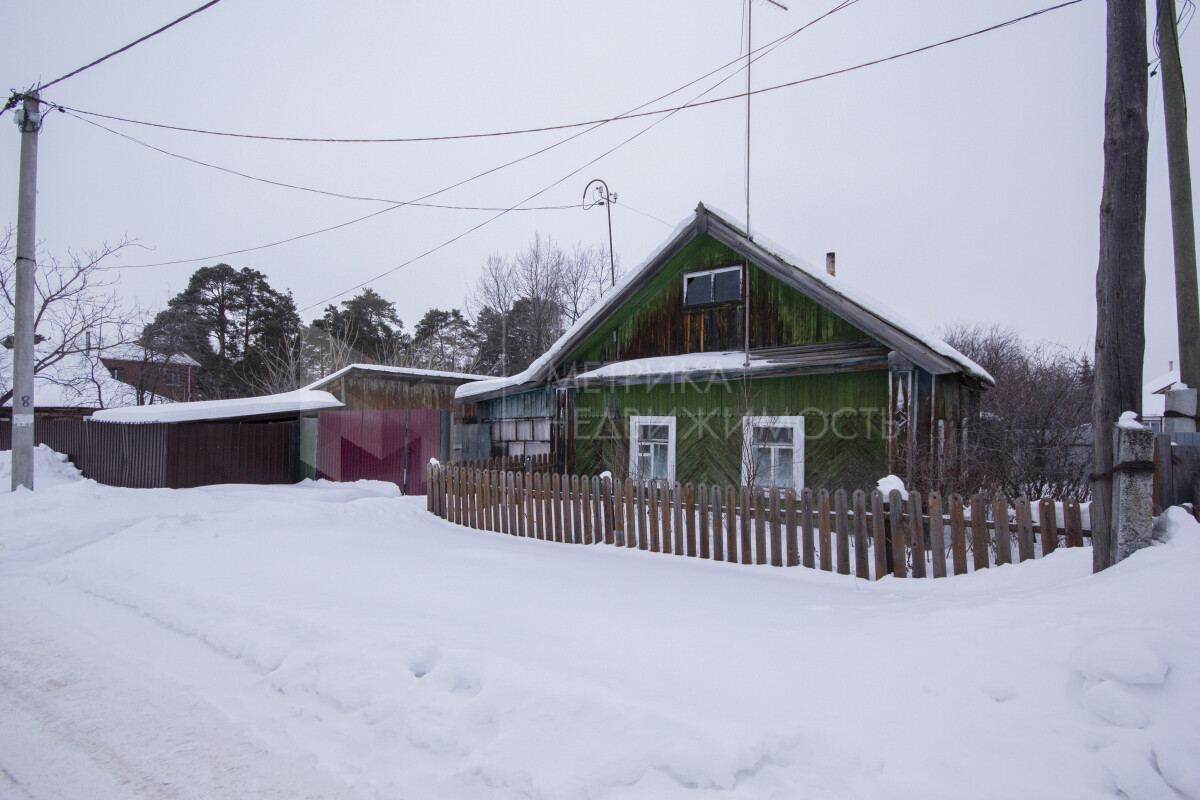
379,445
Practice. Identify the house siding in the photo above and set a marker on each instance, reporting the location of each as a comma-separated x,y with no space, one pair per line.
654,321
845,425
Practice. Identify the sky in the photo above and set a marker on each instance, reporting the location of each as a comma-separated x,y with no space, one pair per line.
958,184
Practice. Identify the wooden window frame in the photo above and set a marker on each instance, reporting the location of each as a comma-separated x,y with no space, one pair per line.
728,268
635,422
795,423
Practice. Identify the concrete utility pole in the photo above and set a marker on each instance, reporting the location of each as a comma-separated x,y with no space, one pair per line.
29,119
1187,298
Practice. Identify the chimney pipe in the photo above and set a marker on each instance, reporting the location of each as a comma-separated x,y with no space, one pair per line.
831,263
1170,366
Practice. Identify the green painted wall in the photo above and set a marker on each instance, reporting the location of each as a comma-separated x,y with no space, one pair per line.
654,322
845,425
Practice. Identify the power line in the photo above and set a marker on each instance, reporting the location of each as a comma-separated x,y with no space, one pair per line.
571,174
632,114
132,44
766,49
605,120
298,187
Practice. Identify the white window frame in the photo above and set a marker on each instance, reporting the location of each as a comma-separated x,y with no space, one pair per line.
714,271
635,424
797,426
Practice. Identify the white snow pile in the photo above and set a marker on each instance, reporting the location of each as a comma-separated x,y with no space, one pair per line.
1129,421
888,483
49,468
335,640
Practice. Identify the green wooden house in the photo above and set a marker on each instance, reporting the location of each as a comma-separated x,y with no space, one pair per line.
722,360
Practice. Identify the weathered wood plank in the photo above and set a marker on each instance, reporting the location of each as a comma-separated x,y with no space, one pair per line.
1074,523
793,542
677,519
731,525
643,515
808,542
689,517
511,498
556,505
1003,536
1024,530
917,528
1048,525
862,564
899,534
958,534
585,503
979,532
824,526
776,530
718,529
879,534
937,535
601,503
655,517
841,502
745,512
705,547
760,525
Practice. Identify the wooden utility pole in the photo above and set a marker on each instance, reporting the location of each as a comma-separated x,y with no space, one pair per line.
1121,276
30,121
1187,298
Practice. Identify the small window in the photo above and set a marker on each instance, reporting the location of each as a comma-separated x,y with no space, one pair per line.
172,377
773,452
652,448
117,372
722,285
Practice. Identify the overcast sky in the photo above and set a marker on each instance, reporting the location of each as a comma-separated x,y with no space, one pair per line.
958,184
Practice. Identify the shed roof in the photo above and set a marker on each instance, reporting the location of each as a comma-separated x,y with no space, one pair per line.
399,373
273,405
874,318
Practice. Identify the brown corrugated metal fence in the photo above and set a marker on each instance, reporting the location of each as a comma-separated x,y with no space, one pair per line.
174,456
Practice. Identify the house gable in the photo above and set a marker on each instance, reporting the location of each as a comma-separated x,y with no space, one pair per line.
654,321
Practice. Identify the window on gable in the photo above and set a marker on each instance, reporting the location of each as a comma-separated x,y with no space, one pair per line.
722,285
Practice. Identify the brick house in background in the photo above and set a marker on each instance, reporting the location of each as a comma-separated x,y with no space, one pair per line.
155,377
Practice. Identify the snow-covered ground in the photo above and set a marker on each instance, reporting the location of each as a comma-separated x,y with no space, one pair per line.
335,641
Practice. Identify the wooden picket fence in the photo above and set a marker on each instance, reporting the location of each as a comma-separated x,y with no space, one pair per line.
868,535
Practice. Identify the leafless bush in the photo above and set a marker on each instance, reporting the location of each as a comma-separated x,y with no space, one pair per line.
1032,435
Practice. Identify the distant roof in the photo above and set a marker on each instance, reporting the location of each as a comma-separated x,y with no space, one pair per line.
873,317
135,352
402,372
76,381
1154,401
285,404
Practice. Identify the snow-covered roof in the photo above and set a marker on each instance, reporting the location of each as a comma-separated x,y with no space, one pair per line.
134,352
1154,401
77,381
407,372
886,325
720,365
297,402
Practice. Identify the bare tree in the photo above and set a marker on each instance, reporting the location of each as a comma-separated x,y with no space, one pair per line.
76,305
520,306
1032,435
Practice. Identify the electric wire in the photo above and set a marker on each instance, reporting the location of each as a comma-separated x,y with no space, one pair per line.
17,97
765,50
632,114
619,117
560,180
